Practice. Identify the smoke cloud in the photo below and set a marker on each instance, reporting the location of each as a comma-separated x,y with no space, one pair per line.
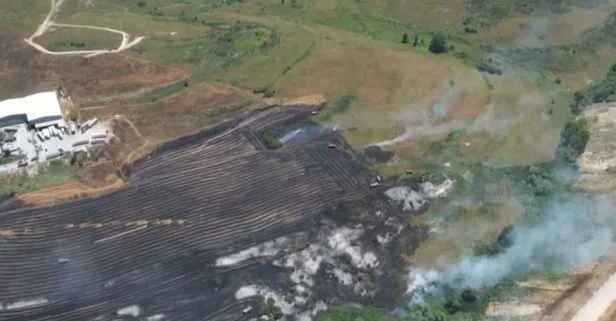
569,234
427,123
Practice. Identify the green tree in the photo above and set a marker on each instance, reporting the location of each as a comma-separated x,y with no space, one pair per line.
415,41
438,44
573,139
405,38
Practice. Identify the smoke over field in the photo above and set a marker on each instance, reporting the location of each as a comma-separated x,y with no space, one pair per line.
431,123
569,234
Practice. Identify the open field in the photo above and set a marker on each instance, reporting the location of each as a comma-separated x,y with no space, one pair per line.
23,16
305,50
118,258
86,79
196,107
205,62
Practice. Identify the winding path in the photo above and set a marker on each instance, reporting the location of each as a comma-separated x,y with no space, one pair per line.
47,23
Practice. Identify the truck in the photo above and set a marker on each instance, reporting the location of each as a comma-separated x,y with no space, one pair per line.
40,136
72,128
97,141
89,124
45,132
80,143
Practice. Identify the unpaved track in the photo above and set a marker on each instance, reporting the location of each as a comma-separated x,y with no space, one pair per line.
47,23
599,303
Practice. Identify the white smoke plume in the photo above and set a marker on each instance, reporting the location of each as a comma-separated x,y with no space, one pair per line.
427,123
569,234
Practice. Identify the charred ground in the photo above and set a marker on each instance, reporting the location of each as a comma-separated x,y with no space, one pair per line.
153,243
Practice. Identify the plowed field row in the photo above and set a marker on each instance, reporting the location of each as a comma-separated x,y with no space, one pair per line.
191,201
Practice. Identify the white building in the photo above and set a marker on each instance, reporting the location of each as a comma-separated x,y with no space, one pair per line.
38,110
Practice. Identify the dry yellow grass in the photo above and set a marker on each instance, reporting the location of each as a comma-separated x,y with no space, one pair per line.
595,71
65,191
388,80
431,13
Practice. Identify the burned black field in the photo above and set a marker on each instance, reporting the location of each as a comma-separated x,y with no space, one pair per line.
208,228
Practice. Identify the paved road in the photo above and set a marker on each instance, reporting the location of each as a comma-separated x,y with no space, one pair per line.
47,23
599,303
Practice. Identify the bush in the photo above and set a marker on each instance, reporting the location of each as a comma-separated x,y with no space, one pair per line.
265,91
270,140
405,38
438,44
573,140
600,92
503,241
489,66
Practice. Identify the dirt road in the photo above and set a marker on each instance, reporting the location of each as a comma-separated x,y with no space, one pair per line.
598,304
47,23
588,298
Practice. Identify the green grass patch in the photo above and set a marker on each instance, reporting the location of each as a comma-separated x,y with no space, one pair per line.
227,109
162,92
23,16
54,172
483,13
7,160
71,46
335,106
564,58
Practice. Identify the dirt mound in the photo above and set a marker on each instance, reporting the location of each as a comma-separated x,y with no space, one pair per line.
598,162
24,70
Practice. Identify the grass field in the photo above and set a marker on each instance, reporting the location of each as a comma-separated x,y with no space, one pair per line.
556,29
56,172
23,17
66,39
341,48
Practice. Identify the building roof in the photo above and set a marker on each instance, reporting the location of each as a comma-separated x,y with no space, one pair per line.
37,107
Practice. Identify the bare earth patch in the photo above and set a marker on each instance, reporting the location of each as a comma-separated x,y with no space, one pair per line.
85,79
511,309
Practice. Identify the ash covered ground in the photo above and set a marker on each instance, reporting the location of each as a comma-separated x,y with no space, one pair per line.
215,226
352,255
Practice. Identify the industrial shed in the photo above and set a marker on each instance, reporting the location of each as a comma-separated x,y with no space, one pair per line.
37,110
